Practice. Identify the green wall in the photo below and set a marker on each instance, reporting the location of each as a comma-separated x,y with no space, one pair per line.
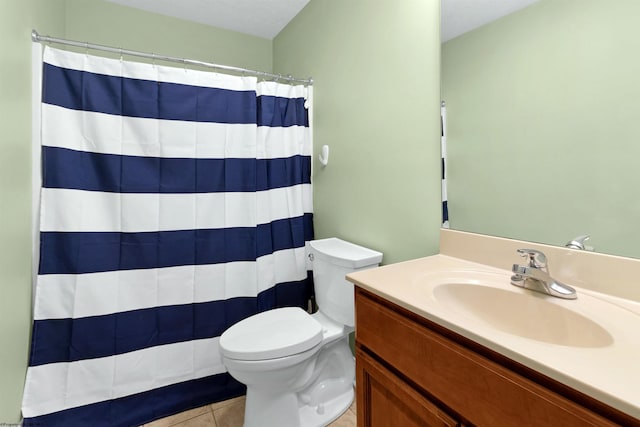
376,76
543,132
17,18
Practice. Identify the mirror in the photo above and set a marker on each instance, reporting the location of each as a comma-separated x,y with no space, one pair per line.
543,125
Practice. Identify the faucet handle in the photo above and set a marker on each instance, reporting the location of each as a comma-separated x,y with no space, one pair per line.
536,258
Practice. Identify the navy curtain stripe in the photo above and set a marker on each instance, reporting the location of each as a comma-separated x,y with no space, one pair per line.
282,112
82,90
283,172
93,252
136,409
81,170
290,294
70,340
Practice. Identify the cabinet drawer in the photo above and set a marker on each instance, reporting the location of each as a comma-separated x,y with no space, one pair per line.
385,400
484,392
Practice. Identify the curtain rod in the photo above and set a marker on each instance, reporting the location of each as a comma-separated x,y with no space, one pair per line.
40,38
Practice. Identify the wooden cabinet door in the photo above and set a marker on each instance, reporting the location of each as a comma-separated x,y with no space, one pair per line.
384,400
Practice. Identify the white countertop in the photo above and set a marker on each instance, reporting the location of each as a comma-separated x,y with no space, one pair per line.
609,372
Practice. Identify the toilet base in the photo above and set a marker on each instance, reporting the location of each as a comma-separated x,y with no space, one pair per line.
323,393
274,413
327,413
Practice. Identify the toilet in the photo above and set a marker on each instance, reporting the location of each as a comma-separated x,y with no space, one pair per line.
298,367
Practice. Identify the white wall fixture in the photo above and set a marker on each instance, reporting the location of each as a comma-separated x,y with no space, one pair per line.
324,155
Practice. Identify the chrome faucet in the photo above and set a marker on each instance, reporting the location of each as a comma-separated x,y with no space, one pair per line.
535,276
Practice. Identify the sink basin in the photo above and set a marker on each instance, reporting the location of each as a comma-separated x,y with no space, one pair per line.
523,313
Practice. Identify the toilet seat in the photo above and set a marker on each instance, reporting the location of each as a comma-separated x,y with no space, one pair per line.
271,334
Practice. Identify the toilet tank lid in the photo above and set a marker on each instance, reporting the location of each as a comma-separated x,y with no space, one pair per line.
345,253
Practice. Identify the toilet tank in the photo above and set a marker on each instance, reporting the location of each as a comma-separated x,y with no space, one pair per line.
332,259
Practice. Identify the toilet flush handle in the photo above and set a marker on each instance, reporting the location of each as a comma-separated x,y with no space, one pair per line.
310,257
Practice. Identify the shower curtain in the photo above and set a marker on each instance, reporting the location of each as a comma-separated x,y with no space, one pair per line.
443,151
174,203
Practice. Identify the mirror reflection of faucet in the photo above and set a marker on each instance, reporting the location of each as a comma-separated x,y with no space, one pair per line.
578,243
535,276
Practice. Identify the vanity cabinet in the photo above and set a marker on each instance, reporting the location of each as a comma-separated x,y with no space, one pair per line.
413,372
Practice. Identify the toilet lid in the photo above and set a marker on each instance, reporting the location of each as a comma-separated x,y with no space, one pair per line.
271,334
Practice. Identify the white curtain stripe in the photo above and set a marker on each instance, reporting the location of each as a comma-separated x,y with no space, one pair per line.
277,89
133,212
133,136
139,70
89,381
62,296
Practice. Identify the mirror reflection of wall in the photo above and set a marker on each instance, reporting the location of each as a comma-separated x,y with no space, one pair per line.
543,121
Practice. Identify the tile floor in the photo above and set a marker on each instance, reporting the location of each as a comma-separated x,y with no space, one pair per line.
230,413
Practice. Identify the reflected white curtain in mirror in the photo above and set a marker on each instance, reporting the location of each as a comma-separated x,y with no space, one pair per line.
443,150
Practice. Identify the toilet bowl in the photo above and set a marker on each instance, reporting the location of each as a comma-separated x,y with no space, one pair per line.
298,367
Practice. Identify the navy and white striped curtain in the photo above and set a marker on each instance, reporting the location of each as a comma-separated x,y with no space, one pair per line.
173,204
443,151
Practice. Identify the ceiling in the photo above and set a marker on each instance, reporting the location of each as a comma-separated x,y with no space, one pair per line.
266,18
262,18
461,16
